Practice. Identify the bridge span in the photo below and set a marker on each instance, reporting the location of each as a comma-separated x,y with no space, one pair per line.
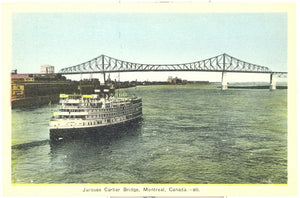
222,63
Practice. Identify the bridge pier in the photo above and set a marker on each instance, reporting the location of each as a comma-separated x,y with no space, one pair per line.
272,82
102,78
224,81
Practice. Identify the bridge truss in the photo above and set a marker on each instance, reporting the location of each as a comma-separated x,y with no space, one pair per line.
220,63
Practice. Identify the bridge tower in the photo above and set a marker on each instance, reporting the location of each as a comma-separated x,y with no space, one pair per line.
102,75
224,81
224,75
102,78
272,81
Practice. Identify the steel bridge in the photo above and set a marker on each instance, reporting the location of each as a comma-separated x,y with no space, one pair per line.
222,63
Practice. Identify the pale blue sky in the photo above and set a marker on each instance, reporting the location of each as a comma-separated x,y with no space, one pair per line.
67,39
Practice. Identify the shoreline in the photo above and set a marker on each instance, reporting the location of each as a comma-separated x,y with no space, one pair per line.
43,100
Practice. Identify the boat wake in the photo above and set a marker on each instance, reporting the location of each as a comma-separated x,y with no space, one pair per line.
30,144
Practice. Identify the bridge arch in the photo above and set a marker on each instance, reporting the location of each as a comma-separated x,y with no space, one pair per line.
219,63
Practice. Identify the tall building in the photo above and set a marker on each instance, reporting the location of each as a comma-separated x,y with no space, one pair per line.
47,69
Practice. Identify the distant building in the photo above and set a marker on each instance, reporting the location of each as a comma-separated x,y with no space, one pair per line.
175,80
170,79
47,69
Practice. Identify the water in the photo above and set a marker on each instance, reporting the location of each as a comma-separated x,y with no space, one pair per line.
190,134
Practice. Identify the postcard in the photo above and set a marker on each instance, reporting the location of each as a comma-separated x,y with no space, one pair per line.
149,99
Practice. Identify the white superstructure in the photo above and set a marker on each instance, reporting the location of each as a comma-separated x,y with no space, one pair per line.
84,111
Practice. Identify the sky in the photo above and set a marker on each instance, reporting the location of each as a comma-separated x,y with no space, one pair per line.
67,39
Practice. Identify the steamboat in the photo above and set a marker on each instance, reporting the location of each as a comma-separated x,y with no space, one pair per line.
94,113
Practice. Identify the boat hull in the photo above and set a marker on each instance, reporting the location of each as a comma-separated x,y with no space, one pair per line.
60,135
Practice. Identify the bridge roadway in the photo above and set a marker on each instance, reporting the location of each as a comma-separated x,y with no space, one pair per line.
222,63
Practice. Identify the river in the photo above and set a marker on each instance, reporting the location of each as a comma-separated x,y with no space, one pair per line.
190,134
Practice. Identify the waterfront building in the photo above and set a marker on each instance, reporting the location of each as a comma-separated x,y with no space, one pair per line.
38,88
